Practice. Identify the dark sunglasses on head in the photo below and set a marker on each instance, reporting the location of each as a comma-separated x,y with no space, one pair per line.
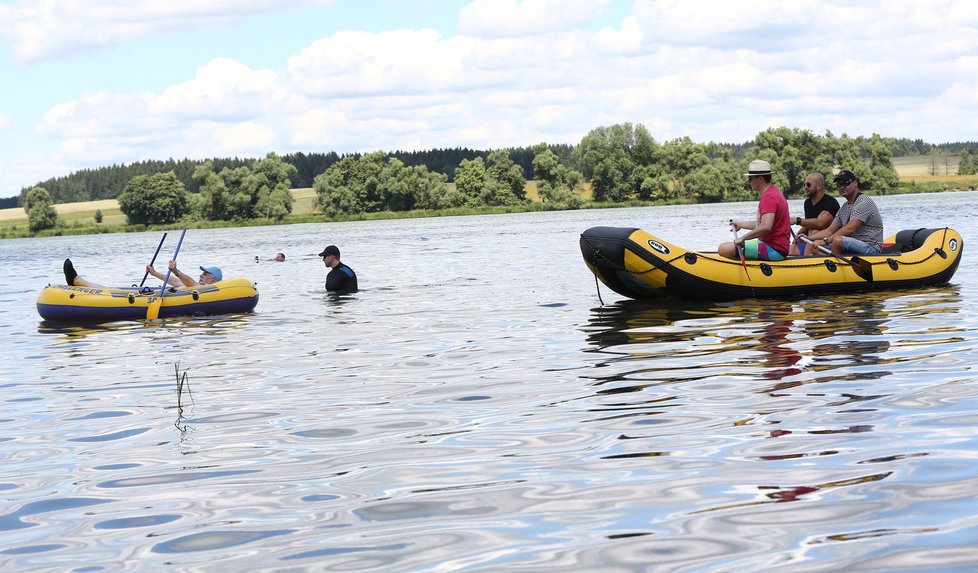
843,183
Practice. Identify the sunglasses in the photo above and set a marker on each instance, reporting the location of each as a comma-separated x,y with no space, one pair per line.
843,183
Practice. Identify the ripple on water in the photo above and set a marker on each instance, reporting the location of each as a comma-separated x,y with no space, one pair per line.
447,419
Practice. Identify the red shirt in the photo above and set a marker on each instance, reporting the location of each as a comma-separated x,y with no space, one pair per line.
773,201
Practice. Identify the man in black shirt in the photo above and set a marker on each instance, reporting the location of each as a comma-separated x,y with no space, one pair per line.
820,210
341,278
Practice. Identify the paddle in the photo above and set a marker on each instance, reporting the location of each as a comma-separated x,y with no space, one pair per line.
153,310
861,267
740,250
152,262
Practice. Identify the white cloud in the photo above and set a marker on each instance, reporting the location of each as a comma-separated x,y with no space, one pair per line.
42,29
223,88
710,71
400,61
5,122
501,18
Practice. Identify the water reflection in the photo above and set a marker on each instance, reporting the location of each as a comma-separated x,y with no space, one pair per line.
517,430
843,337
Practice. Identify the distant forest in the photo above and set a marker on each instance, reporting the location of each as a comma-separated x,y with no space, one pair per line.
109,182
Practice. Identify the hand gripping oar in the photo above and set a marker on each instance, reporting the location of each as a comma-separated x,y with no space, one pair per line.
861,267
152,262
740,250
153,310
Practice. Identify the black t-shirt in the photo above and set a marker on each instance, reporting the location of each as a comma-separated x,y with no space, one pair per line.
341,279
826,204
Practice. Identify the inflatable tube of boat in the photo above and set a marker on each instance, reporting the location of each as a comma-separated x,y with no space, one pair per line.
65,303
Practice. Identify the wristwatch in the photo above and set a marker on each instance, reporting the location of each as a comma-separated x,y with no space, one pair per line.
797,220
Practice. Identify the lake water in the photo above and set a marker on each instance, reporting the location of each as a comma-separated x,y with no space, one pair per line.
477,408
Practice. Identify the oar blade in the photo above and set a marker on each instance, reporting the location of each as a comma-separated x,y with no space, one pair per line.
153,310
863,268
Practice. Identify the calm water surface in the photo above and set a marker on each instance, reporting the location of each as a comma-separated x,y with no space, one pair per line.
477,408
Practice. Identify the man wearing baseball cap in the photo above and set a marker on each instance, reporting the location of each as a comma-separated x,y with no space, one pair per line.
858,226
768,236
341,278
209,275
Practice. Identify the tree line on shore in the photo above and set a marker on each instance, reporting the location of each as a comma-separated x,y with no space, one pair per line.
617,164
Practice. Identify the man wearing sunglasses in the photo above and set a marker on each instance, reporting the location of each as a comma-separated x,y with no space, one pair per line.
858,226
767,238
341,278
820,210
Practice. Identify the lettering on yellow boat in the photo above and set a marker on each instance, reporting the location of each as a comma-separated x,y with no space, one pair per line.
659,247
82,290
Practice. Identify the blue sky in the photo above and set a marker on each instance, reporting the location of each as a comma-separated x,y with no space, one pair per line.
89,83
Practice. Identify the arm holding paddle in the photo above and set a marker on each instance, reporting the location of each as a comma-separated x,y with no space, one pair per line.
181,277
860,266
832,236
758,228
174,279
762,226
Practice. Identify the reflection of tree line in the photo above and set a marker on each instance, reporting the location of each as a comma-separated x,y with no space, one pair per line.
822,336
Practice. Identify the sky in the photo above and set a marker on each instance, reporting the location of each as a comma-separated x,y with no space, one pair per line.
92,83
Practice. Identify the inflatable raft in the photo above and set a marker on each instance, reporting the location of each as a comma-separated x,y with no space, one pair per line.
71,303
639,265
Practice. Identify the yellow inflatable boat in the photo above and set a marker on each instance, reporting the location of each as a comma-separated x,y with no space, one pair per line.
638,265
71,303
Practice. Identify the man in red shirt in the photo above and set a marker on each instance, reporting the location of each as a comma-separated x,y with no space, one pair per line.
768,236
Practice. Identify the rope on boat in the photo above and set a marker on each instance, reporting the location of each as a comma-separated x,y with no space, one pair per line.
817,261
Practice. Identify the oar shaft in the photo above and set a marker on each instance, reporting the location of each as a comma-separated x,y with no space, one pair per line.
824,249
861,267
153,262
739,249
169,270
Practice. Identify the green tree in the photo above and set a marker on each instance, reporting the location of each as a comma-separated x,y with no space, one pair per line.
40,211
273,186
430,188
340,187
98,216
793,153
154,199
968,163
211,204
938,161
605,158
882,175
502,170
378,182
846,154
470,180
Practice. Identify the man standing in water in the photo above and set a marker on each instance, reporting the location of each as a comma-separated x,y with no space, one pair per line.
341,278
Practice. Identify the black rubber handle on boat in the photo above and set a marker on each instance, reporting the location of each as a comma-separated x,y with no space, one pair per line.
862,267
740,250
152,262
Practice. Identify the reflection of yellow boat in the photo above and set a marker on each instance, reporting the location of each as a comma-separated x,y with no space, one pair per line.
71,303
638,265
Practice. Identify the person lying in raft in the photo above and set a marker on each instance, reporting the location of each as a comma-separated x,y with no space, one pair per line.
177,278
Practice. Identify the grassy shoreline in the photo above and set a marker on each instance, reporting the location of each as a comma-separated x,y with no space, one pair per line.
79,218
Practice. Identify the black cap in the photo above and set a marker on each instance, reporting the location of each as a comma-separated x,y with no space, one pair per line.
330,250
845,177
